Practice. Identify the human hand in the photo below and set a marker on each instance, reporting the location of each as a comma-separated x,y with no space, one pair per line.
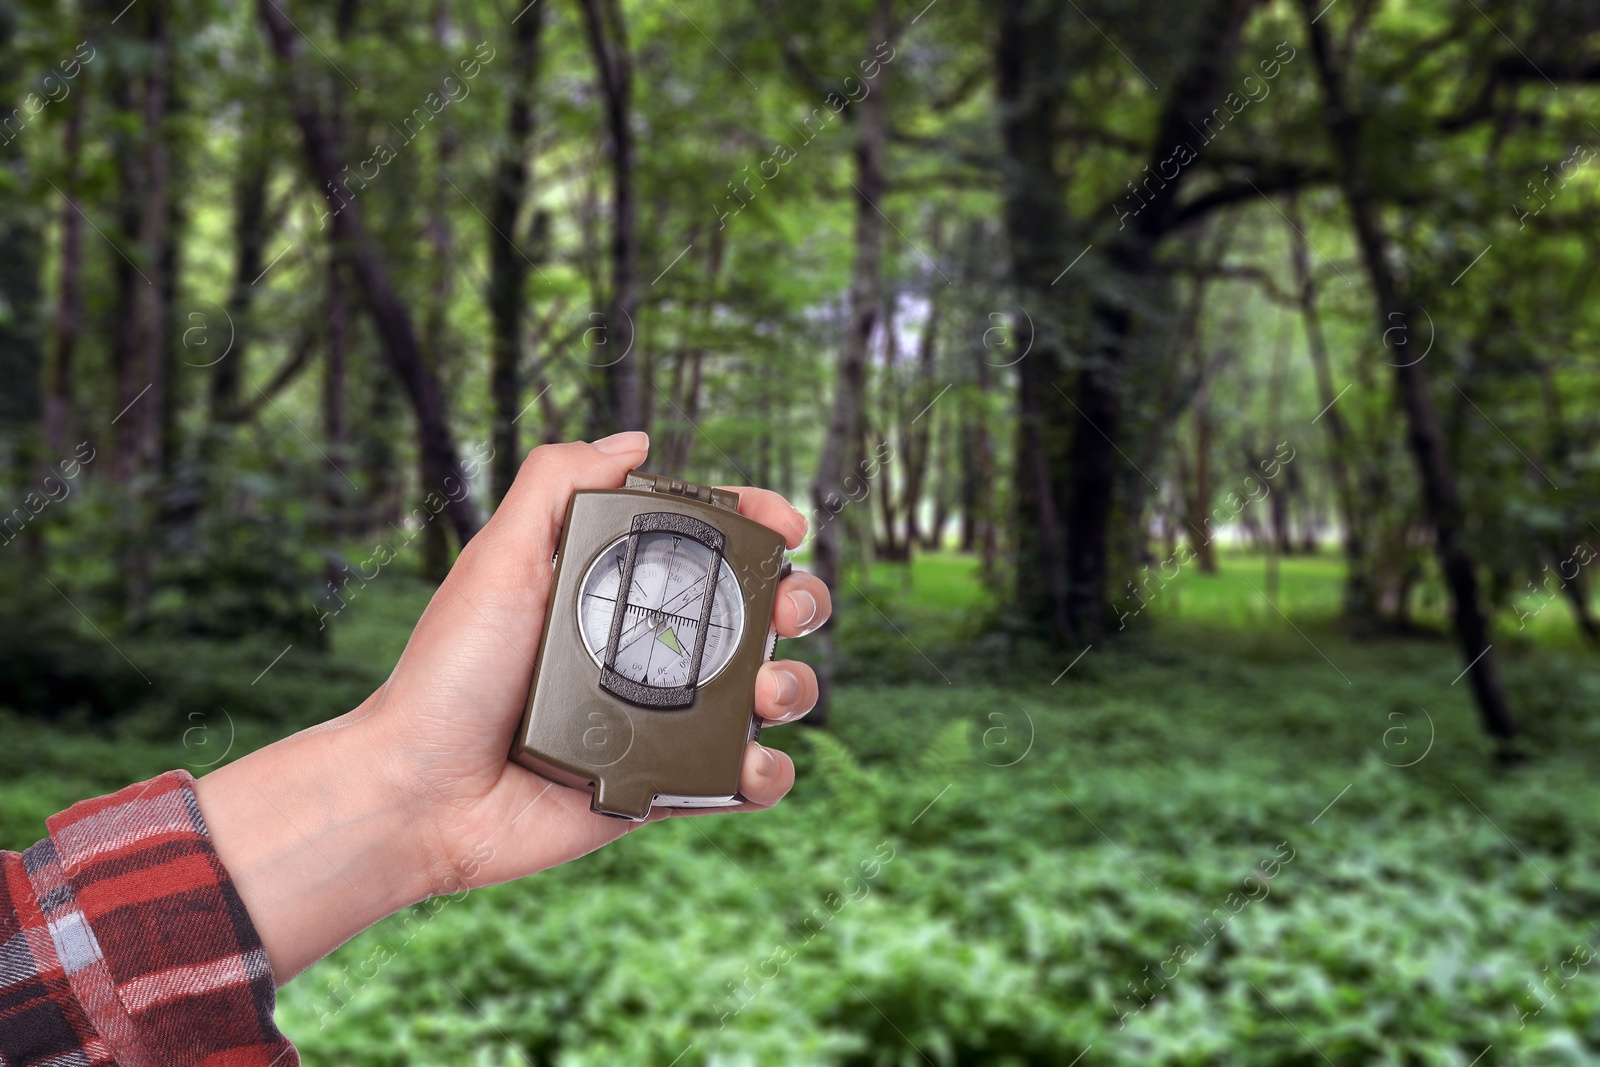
450,711
413,789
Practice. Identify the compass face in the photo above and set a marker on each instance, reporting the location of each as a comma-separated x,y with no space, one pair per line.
663,605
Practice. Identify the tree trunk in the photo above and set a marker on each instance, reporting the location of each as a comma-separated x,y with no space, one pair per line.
689,377
138,89
22,357
1199,506
152,309
678,441
970,434
435,563
342,499
1576,590
1067,449
919,434
977,460
139,94
249,241
863,305
129,279
890,406
1278,541
1195,483
1559,451
943,477
22,341
182,497
335,418
1360,596
618,404
1031,88
57,418
508,266
390,314
1441,496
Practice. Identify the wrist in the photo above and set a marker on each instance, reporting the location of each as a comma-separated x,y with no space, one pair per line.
317,841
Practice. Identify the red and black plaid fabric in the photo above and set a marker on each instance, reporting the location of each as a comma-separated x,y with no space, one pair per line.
123,941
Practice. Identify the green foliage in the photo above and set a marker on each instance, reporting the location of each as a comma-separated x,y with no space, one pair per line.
48,665
1006,929
173,702
241,559
1024,896
247,575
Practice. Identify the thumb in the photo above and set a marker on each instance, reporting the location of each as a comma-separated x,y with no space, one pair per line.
501,579
536,505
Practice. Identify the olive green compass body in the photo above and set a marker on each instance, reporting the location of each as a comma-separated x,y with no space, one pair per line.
659,617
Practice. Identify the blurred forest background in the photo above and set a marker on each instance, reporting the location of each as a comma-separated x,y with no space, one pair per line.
1195,405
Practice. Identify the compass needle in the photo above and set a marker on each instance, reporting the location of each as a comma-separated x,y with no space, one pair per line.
665,604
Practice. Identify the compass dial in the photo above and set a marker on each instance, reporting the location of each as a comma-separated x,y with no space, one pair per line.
663,606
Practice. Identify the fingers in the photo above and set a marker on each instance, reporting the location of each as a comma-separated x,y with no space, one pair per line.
766,776
771,510
803,604
785,690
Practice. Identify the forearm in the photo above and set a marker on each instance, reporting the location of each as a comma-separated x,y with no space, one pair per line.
134,944
317,845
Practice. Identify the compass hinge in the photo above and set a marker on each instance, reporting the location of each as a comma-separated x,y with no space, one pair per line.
660,483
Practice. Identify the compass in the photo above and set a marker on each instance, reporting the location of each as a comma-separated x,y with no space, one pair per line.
675,580
643,688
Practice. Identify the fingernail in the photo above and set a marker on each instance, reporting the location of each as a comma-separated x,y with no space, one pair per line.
788,685
767,766
805,607
626,441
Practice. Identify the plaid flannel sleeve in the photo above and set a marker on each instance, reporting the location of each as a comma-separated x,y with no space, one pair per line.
123,941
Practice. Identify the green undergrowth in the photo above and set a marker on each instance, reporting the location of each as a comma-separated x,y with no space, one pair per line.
1027,888
1227,837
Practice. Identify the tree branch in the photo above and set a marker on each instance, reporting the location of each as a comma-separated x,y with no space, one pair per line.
1280,178
299,359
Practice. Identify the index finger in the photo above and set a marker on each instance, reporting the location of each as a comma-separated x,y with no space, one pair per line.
770,510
